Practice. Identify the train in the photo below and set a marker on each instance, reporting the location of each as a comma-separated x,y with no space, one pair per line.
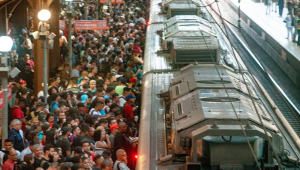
201,107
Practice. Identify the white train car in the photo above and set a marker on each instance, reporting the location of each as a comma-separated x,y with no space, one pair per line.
201,108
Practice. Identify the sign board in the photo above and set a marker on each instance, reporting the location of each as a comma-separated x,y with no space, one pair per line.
116,1
9,88
62,24
91,25
102,1
1,99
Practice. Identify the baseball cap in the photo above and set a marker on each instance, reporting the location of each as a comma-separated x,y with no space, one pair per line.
41,104
130,96
118,76
122,80
22,82
113,127
42,118
103,120
83,98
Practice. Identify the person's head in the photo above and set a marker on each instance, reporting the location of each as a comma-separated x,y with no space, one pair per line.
93,84
103,122
80,107
27,67
37,150
99,92
118,115
98,106
85,144
84,163
130,98
121,155
76,130
28,158
91,132
106,165
85,130
66,131
49,150
98,135
61,115
50,118
115,98
8,144
122,127
114,128
13,156
78,151
110,90
98,160
112,122
16,124
22,103
56,97
23,84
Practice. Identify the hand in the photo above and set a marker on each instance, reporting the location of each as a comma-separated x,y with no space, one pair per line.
55,157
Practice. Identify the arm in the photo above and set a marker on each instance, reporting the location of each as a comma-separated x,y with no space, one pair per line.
68,153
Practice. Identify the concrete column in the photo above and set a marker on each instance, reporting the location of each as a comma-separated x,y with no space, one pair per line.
37,5
3,25
54,54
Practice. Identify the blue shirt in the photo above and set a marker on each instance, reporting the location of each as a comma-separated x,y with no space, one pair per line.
106,96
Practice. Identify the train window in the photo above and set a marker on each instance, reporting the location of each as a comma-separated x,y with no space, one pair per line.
177,90
179,109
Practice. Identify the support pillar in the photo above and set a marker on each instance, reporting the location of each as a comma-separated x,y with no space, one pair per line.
37,5
3,25
54,53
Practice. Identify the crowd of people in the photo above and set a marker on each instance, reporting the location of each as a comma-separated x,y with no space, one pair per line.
90,118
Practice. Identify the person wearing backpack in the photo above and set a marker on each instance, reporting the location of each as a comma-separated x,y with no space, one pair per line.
121,161
16,112
49,156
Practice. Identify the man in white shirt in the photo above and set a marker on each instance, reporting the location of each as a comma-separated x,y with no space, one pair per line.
28,150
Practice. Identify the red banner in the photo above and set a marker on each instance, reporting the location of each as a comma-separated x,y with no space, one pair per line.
1,99
102,1
117,1
62,24
9,88
91,25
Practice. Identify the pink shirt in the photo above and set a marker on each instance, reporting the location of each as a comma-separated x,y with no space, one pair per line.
8,165
31,63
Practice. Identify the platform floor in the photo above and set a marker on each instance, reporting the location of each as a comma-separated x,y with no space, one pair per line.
272,24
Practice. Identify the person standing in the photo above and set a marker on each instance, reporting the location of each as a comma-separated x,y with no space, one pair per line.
4,153
11,161
121,160
49,156
64,143
288,25
15,136
280,6
38,155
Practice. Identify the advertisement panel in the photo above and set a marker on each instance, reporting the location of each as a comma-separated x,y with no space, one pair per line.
102,1
117,1
62,24
9,88
1,99
91,25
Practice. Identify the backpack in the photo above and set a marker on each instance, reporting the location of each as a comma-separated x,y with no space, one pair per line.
5,156
43,162
33,118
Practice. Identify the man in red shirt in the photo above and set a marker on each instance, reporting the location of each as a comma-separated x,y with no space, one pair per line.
128,109
10,162
18,113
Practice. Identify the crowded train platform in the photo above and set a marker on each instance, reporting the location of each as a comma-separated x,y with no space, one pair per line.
90,116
